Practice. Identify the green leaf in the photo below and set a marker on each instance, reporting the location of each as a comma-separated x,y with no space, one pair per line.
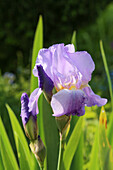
72,144
51,135
107,72
105,151
18,131
73,40
6,159
78,163
21,154
94,160
1,162
40,121
110,126
37,45
110,131
35,165
7,154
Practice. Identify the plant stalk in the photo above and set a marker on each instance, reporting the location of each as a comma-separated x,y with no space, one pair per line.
61,150
41,168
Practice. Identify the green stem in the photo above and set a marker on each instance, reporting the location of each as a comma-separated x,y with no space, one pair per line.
40,165
61,150
41,168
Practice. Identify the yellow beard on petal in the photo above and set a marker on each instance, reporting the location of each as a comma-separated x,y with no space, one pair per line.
67,86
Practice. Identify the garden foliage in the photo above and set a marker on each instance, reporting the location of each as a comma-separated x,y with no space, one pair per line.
101,153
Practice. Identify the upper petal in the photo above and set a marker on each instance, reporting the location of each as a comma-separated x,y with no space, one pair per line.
93,99
54,63
84,63
45,59
68,102
33,106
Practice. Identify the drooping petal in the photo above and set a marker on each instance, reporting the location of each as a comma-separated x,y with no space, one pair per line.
93,99
33,105
25,114
84,63
67,102
45,83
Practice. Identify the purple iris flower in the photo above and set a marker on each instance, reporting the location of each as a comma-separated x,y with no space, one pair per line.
69,72
29,106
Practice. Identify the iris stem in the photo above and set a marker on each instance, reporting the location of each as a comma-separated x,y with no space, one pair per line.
40,165
41,168
61,150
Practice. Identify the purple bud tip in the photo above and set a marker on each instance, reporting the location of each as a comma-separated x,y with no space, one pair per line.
24,97
25,114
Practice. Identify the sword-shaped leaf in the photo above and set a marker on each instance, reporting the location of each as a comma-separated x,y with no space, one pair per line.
17,130
105,151
8,157
37,45
72,144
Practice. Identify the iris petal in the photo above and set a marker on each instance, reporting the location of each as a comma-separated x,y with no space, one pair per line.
45,83
93,99
25,114
67,102
55,64
70,48
84,63
33,106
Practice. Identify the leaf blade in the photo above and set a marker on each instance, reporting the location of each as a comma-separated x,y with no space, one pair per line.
107,72
37,45
73,40
18,130
72,144
94,161
6,147
51,136
105,150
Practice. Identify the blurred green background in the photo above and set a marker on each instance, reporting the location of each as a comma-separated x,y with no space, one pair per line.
92,20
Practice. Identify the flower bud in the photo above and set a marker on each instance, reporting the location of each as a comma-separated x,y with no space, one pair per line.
29,119
63,124
31,128
39,150
103,118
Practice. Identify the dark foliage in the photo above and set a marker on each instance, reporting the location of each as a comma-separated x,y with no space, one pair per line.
19,19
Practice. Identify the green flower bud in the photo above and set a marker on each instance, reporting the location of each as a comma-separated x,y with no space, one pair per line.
31,128
63,124
39,150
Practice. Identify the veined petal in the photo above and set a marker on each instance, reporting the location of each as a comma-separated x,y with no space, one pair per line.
67,102
93,99
25,114
45,60
33,106
55,64
84,63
